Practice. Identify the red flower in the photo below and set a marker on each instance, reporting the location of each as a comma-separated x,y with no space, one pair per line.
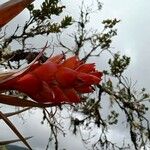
55,81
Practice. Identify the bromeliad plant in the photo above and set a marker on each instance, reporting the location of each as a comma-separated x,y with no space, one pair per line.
57,81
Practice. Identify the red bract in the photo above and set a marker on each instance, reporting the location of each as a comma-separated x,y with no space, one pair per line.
11,9
55,81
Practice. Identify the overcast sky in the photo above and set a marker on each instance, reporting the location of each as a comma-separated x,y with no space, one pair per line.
133,34
133,39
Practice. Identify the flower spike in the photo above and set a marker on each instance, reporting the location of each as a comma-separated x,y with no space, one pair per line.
56,81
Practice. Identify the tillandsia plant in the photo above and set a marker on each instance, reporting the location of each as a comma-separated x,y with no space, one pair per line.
55,81
58,80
